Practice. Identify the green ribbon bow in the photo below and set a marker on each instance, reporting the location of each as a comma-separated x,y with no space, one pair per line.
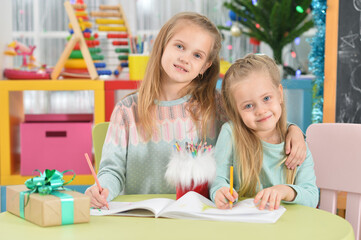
50,182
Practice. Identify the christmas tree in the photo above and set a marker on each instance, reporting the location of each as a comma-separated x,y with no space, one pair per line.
275,22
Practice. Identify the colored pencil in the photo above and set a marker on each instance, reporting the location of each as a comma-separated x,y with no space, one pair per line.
231,184
94,175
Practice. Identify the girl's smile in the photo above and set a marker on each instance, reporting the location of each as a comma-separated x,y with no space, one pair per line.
180,68
264,119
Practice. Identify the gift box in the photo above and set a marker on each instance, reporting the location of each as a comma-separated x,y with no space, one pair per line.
57,208
191,168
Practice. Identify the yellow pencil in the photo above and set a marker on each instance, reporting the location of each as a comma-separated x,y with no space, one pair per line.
231,184
177,146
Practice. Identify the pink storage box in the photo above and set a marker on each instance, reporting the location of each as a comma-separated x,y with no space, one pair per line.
56,117
59,146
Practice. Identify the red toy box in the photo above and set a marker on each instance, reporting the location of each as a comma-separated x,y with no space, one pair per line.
56,144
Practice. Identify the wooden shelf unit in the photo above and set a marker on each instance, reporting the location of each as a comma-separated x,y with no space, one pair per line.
12,114
110,87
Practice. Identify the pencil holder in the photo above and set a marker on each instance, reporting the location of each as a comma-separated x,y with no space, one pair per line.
137,65
191,171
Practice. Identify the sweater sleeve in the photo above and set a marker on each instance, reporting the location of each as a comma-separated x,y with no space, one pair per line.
112,166
224,159
305,184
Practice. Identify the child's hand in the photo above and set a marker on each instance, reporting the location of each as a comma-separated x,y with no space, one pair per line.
223,196
295,147
273,196
97,199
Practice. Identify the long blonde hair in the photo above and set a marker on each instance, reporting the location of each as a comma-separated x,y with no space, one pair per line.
202,89
249,149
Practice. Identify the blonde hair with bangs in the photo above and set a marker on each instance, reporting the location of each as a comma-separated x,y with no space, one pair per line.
248,146
202,89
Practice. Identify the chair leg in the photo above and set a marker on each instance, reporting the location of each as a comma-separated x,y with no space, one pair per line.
341,204
353,210
328,200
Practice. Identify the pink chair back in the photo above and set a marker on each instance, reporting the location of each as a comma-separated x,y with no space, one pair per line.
336,150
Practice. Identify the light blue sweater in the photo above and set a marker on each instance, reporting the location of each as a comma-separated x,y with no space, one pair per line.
271,173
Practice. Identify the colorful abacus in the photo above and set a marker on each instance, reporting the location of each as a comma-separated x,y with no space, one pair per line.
111,19
75,65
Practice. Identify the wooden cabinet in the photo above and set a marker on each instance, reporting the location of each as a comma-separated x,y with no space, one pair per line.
12,114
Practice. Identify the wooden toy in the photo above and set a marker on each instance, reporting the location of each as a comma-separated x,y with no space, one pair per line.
112,19
77,37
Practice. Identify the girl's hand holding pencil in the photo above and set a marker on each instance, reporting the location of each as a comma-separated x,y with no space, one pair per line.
97,197
223,198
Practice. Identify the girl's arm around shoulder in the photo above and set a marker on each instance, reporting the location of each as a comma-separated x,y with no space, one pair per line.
224,159
295,146
305,183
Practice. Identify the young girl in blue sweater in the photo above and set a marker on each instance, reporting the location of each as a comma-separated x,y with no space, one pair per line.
254,141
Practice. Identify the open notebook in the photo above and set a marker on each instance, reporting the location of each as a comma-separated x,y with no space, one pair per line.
192,206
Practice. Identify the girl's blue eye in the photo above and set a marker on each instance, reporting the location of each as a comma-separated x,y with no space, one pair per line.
197,55
179,46
248,106
267,98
